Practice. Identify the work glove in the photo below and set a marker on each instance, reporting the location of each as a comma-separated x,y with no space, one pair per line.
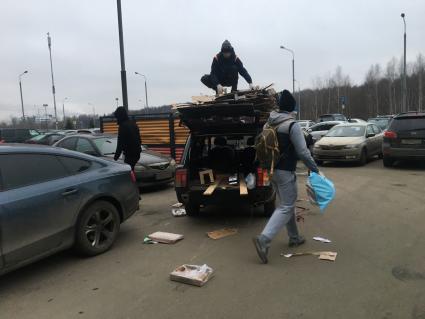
220,89
251,86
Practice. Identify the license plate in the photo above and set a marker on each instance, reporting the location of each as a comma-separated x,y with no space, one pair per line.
163,175
411,142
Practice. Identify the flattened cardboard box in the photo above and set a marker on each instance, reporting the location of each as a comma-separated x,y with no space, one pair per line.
192,274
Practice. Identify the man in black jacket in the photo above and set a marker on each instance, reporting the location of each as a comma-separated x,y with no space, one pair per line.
224,70
128,138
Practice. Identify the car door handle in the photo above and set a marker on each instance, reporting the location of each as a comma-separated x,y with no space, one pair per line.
69,191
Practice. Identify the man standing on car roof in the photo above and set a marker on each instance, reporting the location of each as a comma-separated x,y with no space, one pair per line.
128,138
292,145
224,70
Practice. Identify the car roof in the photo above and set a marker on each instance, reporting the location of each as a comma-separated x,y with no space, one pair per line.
33,148
354,124
91,136
410,114
330,122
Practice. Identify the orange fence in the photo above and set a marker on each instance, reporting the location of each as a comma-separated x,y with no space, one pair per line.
160,132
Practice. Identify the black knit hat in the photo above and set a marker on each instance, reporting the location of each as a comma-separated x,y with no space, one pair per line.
226,46
286,101
121,114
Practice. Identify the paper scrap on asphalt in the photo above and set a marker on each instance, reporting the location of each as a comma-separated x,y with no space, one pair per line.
221,233
328,255
177,205
321,239
323,255
165,238
196,275
178,212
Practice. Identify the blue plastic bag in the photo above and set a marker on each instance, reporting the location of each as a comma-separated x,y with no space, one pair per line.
321,191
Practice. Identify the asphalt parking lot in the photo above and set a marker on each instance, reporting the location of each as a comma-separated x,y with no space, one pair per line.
376,225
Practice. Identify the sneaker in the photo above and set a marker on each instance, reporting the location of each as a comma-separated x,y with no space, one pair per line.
296,242
262,249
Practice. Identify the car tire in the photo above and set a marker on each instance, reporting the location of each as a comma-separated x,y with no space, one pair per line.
192,208
388,161
269,207
97,228
363,158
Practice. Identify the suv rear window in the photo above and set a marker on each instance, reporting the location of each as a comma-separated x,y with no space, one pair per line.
408,123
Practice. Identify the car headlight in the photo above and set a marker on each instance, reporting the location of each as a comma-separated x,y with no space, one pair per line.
173,162
351,146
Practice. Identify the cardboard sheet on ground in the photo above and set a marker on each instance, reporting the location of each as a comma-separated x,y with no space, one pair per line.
221,233
323,255
165,238
192,274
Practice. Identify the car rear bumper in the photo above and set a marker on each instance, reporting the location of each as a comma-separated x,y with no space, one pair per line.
255,197
404,153
146,178
346,155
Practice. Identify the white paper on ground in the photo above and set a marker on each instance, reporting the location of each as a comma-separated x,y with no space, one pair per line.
323,240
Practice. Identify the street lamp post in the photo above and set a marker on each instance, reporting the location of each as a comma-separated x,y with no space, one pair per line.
146,88
22,99
45,116
49,43
123,72
116,99
293,67
63,110
404,100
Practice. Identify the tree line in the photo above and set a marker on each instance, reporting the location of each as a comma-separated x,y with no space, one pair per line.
379,94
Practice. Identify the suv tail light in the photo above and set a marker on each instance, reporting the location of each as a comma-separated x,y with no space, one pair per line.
133,176
390,134
262,177
181,177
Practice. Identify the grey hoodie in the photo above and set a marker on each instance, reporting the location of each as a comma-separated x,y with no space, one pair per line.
295,137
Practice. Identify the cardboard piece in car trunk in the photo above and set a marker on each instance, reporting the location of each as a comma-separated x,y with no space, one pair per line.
165,238
192,274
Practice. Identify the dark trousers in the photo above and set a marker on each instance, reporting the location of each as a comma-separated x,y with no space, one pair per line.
230,79
131,160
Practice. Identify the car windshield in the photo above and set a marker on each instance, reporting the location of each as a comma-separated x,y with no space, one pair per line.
382,123
346,131
408,124
37,137
106,145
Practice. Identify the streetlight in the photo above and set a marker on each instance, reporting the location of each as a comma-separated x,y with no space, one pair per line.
49,43
146,88
45,116
293,67
63,110
299,100
20,89
123,73
116,99
404,102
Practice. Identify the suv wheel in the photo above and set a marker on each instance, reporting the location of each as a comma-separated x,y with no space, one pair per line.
97,228
388,161
192,208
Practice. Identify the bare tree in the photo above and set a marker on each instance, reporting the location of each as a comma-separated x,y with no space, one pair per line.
420,70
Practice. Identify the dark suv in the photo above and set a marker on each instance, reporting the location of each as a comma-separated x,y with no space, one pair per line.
405,138
221,140
16,135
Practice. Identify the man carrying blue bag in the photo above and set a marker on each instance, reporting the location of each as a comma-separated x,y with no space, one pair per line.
291,147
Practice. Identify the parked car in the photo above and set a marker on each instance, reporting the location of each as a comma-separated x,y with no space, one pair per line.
89,131
16,135
52,199
152,169
349,143
222,140
356,121
45,139
306,124
319,130
332,117
381,121
405,138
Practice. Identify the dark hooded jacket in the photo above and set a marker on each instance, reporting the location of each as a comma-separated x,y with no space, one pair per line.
222,68
128,135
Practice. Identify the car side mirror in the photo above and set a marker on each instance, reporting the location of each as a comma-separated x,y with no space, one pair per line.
370,135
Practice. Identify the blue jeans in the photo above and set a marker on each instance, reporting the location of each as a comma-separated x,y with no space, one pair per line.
285,185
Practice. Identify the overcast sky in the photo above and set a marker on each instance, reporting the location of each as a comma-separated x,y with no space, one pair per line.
173,43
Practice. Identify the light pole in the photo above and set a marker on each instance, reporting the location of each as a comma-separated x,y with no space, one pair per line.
45,116
63,110
293,67
49,43
404,101
22,99
146,88
116,99
123,73
299,100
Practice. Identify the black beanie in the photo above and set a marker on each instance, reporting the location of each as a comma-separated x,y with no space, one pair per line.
286,101
121,114
226,46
